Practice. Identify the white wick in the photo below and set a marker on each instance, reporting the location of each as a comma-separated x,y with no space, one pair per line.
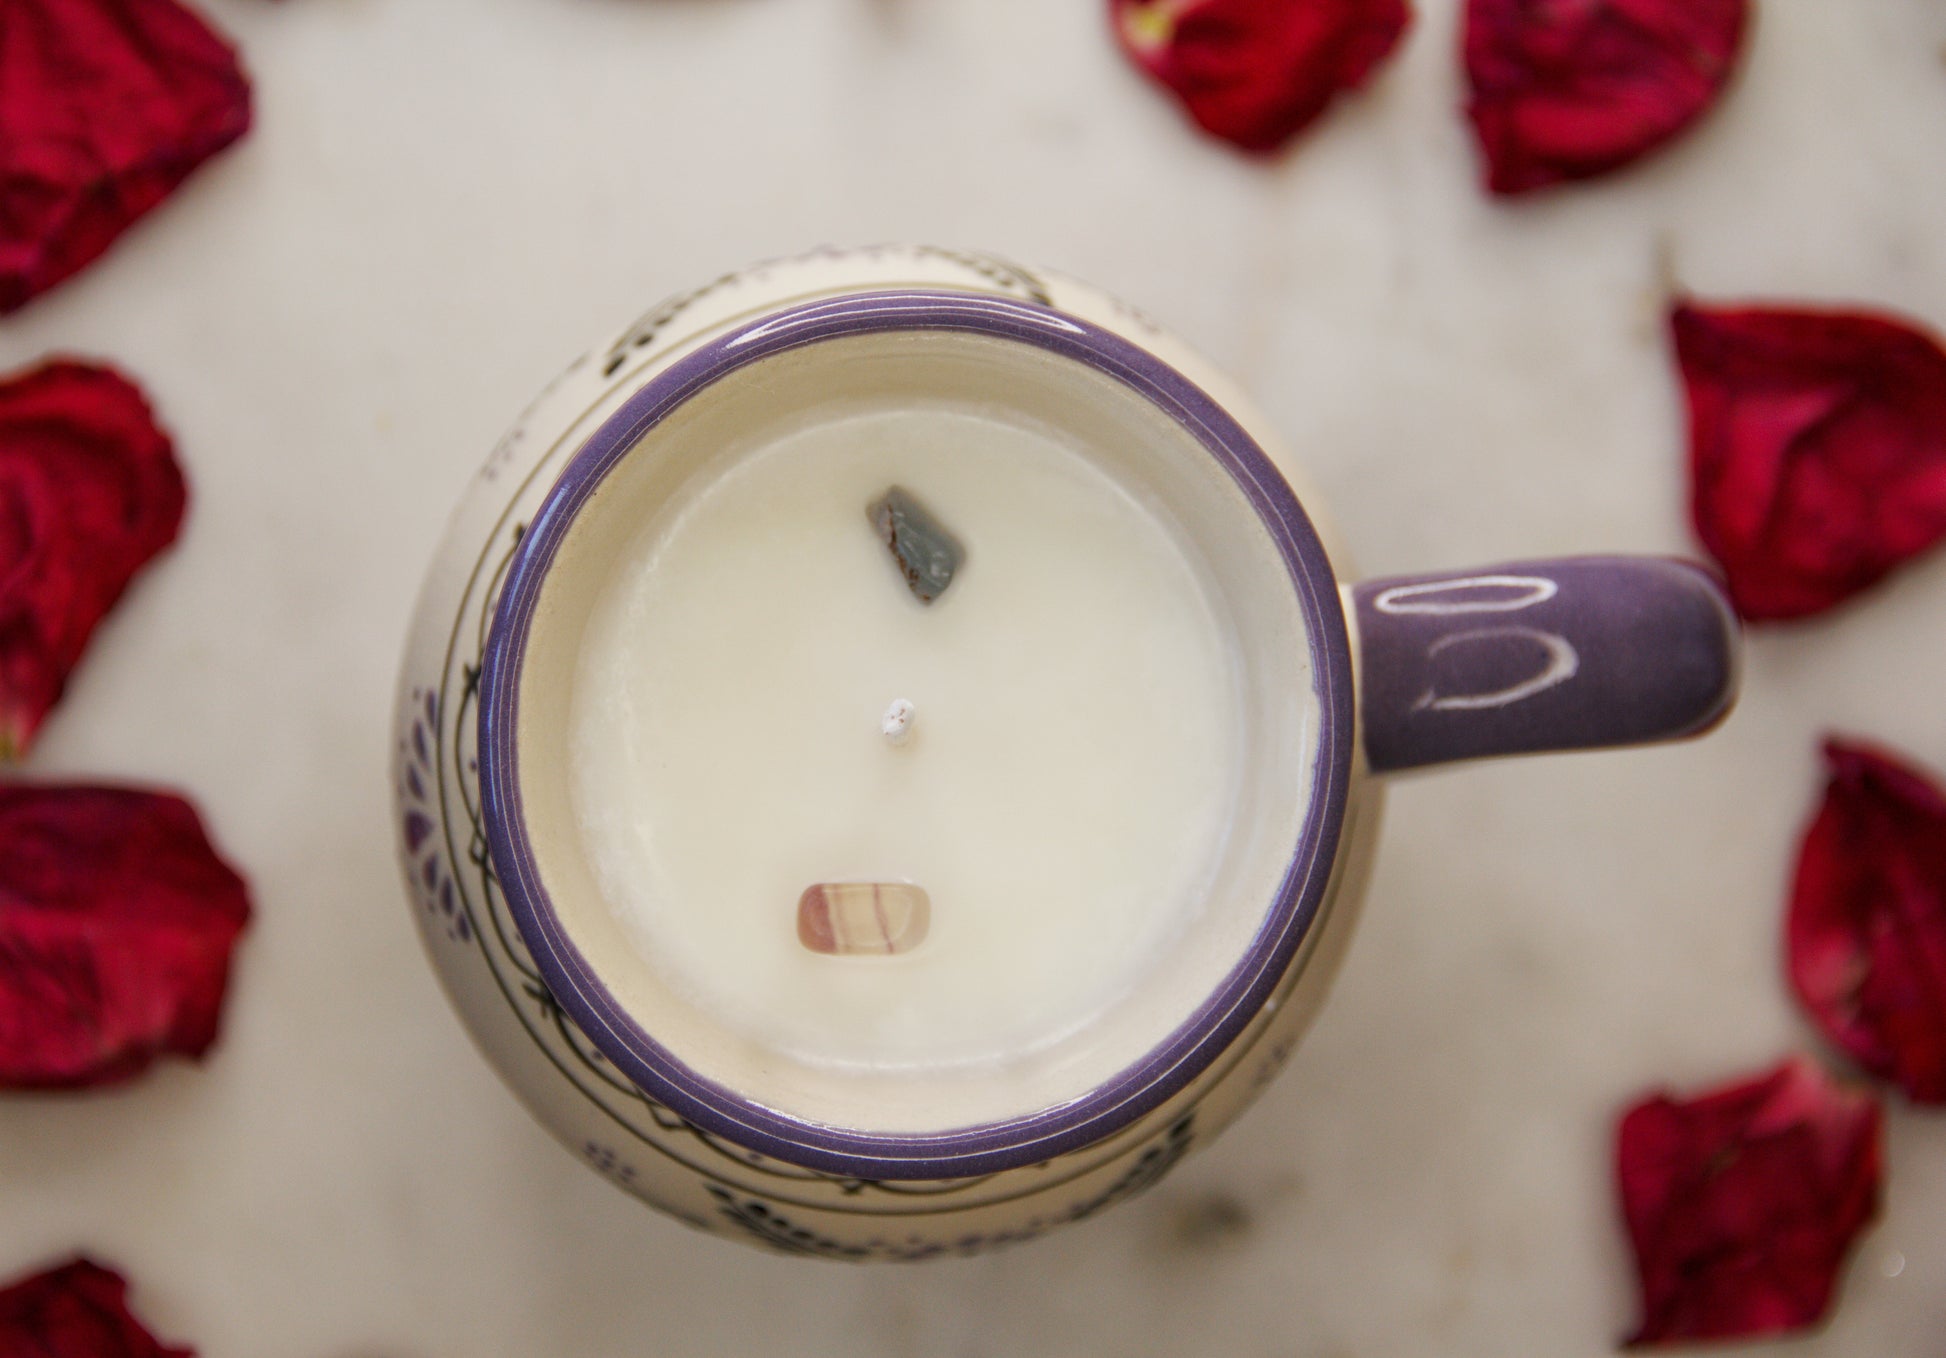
896,724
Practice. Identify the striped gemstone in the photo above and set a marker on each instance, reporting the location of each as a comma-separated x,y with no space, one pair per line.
863,919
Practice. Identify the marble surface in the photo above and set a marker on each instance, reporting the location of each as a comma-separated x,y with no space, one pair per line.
446,199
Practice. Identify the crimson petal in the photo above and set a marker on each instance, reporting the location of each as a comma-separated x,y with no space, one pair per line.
1571,89
77,1310
105,107
117,920
1866,933
89,492
1743,1203
1817,443
1258,72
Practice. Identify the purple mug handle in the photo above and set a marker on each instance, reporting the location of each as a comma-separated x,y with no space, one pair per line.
1569,654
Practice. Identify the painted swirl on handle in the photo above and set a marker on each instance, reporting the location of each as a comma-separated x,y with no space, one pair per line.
1569,654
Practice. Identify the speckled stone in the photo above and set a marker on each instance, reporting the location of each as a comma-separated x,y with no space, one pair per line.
927,554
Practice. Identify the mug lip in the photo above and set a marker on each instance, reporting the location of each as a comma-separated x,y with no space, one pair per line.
1194,1044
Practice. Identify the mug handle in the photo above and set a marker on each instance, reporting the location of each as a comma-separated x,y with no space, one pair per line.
1574,653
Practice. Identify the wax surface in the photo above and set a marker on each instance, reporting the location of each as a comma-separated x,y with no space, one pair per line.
1072,760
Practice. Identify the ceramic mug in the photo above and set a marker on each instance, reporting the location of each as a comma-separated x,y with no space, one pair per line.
1563,654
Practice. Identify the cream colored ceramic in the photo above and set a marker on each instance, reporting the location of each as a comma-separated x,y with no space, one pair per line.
1550,655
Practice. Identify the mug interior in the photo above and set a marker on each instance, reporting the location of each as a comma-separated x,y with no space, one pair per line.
1162,442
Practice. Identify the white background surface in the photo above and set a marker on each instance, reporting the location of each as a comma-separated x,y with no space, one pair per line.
444,200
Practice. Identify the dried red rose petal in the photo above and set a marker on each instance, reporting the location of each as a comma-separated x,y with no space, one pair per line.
1257,72
105,106
1570,89
1866,933
117,920
89,492
1817,444
1742,1203
78,1310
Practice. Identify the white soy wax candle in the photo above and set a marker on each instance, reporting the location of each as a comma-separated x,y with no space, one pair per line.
1054,750
1062,790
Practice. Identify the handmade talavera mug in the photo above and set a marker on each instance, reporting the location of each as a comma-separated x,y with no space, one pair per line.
1057,1102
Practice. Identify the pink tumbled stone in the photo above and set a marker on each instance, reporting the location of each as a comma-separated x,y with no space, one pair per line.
846,919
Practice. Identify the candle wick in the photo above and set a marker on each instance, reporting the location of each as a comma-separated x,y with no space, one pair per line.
896,724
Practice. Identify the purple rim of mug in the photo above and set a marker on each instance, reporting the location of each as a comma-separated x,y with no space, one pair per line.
1194,1044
